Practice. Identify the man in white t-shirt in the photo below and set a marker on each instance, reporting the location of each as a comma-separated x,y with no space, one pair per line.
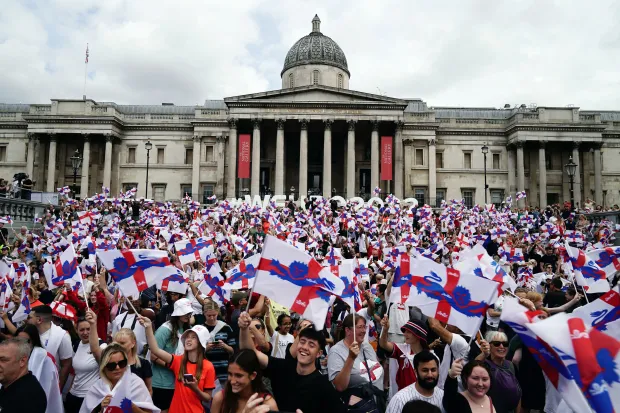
426,366
129,320
53,339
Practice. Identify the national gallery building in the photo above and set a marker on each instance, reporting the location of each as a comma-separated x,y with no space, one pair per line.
315,135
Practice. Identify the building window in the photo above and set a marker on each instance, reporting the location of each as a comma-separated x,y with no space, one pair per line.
209,156
315,77
129,186
553,198
468,197
438,159
207,191
419,156
3,153
159,192
467,160
291,80
131,155
497,196
189,156
496,161
420,195
441,195
186,190
160,155
340,81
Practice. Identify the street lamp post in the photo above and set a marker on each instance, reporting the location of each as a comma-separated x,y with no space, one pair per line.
485,150
76,161
148,145
571,168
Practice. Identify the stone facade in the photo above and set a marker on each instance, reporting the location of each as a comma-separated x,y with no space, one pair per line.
317,136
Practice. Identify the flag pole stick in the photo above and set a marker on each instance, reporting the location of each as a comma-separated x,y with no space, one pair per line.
85,296
85,70
576,290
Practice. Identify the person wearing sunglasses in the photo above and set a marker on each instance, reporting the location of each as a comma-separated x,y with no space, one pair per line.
505,388
113,366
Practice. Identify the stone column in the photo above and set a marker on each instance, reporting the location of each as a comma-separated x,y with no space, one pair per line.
220,153
577,181
432,173
280,157
520,172
598,175
196,169
51,165
374,155
85,166
231,179
398,160
327,159
542,175
107,162
511,189
303,159
351,158
255,184
30,156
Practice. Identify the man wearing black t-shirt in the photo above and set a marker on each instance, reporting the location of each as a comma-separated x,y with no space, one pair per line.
549,258
296,383
21,391
555,297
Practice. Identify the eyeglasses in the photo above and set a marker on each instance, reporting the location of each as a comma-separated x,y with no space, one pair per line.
111,366
258,326
499,343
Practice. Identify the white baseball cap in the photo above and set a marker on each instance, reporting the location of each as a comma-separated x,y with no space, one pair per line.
201,331
182,306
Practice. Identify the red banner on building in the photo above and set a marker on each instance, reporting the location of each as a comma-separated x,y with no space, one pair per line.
386,158
244,156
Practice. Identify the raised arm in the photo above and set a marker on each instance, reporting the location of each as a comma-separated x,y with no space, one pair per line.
383,338
93,338
150,338
443,334
245,341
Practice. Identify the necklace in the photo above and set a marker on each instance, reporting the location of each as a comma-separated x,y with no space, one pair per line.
473,401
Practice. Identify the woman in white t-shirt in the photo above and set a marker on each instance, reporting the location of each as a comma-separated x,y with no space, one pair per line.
85,366
281,338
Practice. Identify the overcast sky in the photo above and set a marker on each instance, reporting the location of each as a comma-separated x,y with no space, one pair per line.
448,53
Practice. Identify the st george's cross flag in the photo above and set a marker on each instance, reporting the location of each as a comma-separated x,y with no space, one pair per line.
592,358
442,293
190,249
608,259
174,283
64,271
134,271
295,280
211,286
549,359
351,294
243,275
587,274
478,262
603,314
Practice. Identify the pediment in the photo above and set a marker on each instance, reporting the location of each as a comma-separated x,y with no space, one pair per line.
314,94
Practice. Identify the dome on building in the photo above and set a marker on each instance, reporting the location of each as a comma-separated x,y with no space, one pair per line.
315,49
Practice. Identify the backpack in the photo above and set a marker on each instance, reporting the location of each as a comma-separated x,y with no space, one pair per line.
504,382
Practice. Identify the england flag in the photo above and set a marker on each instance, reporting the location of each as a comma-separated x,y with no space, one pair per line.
603,314
478,262
295,280
190,250
64,271
134,271
442,293
587,273
243,275
608,259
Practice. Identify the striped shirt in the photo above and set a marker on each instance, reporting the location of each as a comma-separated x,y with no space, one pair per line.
410,393
218,356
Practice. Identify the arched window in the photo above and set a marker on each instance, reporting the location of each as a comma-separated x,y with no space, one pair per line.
291,80
315,77
340,81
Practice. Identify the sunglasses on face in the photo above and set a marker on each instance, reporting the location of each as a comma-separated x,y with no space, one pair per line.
499,343
111,366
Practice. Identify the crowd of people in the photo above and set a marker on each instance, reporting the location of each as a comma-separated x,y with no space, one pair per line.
78,348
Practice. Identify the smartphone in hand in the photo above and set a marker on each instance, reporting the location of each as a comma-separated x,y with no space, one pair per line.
188,377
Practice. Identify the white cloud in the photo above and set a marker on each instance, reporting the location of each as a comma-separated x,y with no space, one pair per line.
448,53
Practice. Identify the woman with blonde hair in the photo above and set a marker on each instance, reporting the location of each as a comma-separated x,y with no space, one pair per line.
112,368
126,338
